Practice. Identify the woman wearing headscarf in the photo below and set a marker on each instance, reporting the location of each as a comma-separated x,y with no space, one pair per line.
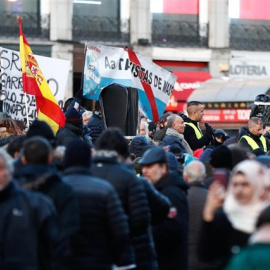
229,218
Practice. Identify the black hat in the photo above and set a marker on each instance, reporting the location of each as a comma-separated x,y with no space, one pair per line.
153,155
74,117
78,153
221,157
137,145
41,128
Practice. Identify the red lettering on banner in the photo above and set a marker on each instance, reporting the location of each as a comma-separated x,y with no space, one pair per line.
224,115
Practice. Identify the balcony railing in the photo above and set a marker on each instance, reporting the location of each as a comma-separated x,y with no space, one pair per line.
35,26
252,37
101,29
167,33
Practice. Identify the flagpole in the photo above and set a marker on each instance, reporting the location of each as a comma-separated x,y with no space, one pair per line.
26,108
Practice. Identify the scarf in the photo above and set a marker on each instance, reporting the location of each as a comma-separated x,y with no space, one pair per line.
243,217
173,132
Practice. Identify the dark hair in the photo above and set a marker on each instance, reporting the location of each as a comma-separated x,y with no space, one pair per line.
194,103
266,124
113,139
16,145
238,154
264,217
36,150
164,117
78,153
67,104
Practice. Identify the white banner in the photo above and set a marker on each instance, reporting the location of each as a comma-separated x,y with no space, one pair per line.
56,72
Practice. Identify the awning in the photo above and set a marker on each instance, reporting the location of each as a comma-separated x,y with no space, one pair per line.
232,90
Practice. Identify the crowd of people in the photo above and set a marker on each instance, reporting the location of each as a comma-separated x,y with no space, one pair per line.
173,197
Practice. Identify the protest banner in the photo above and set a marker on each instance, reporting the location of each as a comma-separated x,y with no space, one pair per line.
56,72
107,65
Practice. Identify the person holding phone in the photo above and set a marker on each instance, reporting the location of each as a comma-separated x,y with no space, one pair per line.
229,216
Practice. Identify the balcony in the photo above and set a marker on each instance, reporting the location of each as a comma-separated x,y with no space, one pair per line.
35,26
250,35
168,33
101,29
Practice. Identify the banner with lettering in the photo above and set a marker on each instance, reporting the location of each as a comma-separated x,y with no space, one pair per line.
107,65
56,72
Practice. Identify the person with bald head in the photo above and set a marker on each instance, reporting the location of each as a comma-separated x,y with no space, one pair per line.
194,174
174,134
193,134
253,140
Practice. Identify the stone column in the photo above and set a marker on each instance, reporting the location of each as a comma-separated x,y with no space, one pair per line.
140,26
219,38
61,30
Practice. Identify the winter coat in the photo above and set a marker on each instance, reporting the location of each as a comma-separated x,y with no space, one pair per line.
218,240
104,226
28,230
160,134
130,191
96,126
244,143
191,138
171,236
67,134
170,140
252,257
146,257
44,179
196,197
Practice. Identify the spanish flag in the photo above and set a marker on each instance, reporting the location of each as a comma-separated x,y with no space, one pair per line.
34,83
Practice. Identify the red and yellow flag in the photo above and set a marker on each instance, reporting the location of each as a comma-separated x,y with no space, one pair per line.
34,83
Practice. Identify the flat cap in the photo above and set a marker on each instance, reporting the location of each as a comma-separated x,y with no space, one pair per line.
153,155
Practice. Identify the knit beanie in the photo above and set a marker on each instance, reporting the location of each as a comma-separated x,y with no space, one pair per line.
41,128
221,157
137,145
78,153
74,118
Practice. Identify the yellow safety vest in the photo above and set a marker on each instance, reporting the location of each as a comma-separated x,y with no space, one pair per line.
253,144
197,131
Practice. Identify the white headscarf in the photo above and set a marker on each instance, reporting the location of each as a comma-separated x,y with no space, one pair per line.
243,217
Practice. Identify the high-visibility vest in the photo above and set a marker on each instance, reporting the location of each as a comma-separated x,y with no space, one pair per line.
197,131
253,144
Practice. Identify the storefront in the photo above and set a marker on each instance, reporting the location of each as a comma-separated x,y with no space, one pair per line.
228,103
190,76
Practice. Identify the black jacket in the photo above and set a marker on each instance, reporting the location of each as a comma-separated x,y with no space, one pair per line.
217,238
130,191
104,226
191,138
146,257
196,197
173,140
96,126
67,134
44,179
244,144
171,236
28,230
